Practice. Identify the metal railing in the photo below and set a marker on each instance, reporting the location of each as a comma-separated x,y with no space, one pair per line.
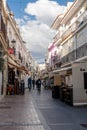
72,28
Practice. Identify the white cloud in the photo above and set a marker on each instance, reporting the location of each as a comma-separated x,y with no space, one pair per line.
36,32
44,10
20,21
37,35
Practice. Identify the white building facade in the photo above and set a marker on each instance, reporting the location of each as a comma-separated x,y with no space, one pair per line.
14,57
71,42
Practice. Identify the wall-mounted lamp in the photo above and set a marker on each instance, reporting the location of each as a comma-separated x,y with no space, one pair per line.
13,41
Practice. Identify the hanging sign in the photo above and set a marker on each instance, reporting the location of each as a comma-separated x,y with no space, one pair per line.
11,51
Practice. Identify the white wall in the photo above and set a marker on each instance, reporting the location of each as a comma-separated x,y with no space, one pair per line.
79,93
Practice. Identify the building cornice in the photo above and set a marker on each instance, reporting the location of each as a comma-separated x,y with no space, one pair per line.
68,15
72,11
56,21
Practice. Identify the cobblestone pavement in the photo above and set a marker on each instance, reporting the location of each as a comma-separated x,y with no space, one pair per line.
58,115
18,113
38,111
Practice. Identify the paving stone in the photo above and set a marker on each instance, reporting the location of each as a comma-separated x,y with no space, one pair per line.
38,111
18,113
14,127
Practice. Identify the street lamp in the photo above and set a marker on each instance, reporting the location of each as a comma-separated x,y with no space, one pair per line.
13,42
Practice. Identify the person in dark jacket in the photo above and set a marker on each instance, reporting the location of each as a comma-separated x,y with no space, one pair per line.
22,87
29,83
38,83
33,83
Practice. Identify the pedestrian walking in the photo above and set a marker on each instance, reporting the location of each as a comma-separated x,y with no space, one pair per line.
33,83
38,83
22,87
26,80
29,83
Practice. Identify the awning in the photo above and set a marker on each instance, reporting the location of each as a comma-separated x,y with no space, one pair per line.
11,63
45,76
62,69
22,68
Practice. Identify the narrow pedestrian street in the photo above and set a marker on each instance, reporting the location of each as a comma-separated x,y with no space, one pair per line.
43,45
39,111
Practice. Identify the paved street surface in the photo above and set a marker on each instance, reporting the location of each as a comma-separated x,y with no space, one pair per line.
38,111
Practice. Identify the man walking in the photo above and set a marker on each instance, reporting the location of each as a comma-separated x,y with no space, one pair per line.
29,83
33,83
38,84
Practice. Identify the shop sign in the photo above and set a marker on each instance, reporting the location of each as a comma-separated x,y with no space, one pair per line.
62,73
11,51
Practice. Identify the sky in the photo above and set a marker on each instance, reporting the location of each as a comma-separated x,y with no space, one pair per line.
34,18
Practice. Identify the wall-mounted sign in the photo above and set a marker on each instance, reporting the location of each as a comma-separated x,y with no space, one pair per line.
11,50
82,69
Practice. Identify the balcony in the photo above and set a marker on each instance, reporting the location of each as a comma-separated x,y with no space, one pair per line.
81,51
76,54
69,57
82,17
56,62
57,37
72,28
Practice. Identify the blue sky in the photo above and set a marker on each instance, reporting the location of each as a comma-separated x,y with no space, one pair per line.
18,5
35,18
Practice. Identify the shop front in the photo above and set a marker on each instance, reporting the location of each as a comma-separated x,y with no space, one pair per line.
79,72
13,77
73,88
62,87
16,75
